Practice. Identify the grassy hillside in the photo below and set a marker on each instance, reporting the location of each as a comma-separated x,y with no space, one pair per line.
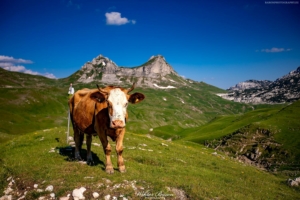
154,167
281,122
169,110
34,102
30,103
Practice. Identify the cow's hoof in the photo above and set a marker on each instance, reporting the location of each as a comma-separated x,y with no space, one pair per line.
109,171
122,169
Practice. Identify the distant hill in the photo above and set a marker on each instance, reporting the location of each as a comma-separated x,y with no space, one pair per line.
284,89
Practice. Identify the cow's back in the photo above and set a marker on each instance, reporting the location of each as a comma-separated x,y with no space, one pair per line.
82,109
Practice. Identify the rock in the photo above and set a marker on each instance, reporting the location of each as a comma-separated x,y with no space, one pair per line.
96,195
6,197
180,194
96,144
35,186
107,197
163,144
78,193
63,198
52,195
297,180
8,190
49,188
70,138
292,182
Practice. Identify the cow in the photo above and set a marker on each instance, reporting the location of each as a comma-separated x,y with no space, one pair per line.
102,112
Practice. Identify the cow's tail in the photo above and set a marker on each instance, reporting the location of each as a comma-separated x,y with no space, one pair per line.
68,131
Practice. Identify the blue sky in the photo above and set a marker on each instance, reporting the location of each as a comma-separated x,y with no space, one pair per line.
218,42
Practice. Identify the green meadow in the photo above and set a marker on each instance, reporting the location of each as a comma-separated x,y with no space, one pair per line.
164,143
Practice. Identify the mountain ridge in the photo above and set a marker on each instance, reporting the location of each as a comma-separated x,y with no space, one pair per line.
102,69
283,89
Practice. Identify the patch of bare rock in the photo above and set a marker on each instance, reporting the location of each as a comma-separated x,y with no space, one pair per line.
106,189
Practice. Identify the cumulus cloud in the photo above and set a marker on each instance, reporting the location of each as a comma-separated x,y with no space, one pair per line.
10,59
275,50
114,18
13,64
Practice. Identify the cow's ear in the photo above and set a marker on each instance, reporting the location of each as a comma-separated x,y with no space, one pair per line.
136,98
98,96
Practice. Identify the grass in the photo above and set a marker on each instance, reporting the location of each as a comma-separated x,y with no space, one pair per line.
33,105
226,124
183,165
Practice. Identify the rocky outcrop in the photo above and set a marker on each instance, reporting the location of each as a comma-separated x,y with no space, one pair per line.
250,84
102,69
254,146
284,89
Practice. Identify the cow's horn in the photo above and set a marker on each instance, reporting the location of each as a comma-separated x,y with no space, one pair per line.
132,87
102,91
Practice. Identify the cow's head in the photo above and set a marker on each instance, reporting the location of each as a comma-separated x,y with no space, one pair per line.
117,99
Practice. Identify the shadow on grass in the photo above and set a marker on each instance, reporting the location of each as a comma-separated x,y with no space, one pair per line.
69,153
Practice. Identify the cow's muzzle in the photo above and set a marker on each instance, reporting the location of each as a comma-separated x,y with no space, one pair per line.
117,124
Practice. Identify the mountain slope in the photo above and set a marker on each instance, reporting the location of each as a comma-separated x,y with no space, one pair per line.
30,103
284,89
265,137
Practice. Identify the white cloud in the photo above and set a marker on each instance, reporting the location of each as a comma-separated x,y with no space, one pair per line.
9,63
275,50
49,75
114,18
14,60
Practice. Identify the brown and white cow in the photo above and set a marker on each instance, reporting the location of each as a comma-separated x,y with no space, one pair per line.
101,111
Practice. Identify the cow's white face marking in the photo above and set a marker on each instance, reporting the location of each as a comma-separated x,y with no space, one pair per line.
117,101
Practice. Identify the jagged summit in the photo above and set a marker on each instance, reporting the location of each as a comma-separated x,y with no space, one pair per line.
250,84
284,89
103,69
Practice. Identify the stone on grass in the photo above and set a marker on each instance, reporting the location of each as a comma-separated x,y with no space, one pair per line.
49,188
78,193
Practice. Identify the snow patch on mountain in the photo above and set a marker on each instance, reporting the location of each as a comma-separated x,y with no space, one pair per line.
162,87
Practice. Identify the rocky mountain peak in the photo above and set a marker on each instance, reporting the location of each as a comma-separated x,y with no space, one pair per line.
284,89
250,84
102,69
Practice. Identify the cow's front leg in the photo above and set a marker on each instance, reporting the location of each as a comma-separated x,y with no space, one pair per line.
107,150
89,157
119,150
78,137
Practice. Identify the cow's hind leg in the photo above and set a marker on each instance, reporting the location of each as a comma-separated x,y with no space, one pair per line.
119,150
78,137
107,150
89,157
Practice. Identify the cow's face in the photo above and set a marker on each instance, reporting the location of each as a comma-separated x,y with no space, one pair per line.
117,108
117,100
